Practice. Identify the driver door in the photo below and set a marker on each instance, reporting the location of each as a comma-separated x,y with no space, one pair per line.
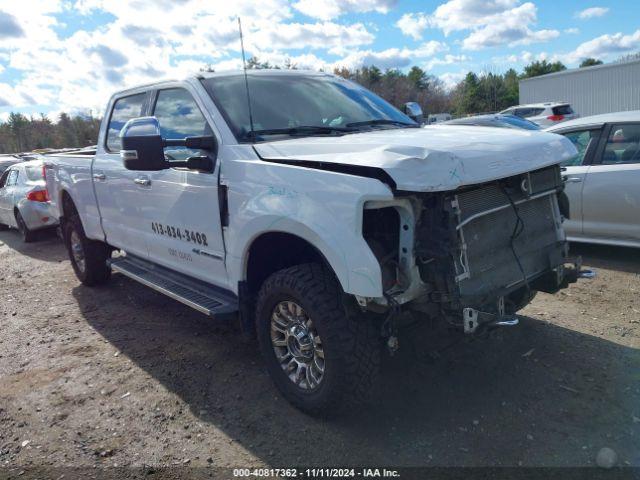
574,174
182,214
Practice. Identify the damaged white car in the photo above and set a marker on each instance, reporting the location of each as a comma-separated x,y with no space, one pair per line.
318,213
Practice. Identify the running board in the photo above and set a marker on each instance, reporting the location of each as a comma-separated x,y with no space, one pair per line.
194,293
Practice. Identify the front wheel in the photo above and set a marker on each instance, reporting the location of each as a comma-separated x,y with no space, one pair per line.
322,359
88,257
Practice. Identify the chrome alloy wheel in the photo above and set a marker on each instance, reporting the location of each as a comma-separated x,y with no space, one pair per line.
297,345
78,251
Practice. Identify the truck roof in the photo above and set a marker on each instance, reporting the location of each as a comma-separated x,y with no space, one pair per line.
232,73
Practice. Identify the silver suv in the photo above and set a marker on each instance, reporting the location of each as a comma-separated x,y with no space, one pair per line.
544,114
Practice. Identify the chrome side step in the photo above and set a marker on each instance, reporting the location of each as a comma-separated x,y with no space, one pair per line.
194,293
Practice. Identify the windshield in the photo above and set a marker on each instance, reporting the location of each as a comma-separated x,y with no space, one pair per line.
300,105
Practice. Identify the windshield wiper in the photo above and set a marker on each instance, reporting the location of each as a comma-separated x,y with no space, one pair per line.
301,130
381,121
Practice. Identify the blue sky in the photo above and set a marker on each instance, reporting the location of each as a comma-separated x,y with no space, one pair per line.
70,55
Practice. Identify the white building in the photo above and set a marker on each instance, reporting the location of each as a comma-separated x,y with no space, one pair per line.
613,87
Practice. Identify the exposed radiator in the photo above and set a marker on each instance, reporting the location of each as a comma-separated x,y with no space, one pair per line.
486,262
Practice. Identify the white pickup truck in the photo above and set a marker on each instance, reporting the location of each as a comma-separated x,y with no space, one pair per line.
318,213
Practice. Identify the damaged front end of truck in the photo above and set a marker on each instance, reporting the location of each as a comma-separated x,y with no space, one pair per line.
473,256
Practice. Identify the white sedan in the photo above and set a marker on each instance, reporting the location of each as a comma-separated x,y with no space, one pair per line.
603,181
24,200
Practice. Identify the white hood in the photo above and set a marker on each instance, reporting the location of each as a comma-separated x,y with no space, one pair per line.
433,158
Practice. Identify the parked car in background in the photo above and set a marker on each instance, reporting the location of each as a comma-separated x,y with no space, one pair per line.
603,181
6,161
438,117
543,114
24,199
496,120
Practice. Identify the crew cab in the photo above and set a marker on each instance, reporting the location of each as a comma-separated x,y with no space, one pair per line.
316,212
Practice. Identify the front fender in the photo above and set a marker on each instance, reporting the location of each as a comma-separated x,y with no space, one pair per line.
323,208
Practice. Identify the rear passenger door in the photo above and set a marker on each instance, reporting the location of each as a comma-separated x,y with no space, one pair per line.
121,197
181,207
611,194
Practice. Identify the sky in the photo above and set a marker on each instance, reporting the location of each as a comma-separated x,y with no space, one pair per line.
71,55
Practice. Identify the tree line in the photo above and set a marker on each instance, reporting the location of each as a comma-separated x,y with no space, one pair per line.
475,93
20,133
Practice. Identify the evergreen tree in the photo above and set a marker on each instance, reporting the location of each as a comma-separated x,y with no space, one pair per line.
590,62
543,67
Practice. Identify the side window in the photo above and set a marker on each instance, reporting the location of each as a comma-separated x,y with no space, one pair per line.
124,110
623,145
13,178
3,179
581,139
179,117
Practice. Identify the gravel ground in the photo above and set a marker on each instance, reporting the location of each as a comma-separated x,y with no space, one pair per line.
120,375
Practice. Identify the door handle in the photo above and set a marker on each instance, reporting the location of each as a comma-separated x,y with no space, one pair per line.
144,181
101,177
573,179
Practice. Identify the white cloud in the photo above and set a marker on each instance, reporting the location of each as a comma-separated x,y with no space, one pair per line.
451,79
413,24
572,31
446,60
592,12
312,35
605,46
491,22
523,57
510,28
85,68
391,57
329,9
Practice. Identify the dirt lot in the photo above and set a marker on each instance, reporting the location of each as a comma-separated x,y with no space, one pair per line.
121,375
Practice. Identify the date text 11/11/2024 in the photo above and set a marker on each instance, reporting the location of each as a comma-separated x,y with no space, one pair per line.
317,472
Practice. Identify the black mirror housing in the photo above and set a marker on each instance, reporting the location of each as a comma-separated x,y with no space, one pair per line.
143,148
142,145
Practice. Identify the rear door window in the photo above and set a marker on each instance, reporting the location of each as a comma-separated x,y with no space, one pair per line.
623,144
13,178
3,179
582,140
124,110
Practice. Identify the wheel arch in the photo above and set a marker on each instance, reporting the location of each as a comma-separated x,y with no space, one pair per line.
260,262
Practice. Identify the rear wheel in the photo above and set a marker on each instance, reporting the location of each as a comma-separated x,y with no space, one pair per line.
322,359
27,235
88,257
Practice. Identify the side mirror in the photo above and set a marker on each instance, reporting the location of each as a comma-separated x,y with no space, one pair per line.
142,145
413,111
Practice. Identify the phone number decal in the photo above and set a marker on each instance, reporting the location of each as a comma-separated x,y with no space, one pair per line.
190,236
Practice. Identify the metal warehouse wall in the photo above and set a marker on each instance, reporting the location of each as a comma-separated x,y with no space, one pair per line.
592,90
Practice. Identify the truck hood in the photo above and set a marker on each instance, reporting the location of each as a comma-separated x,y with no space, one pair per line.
433,158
